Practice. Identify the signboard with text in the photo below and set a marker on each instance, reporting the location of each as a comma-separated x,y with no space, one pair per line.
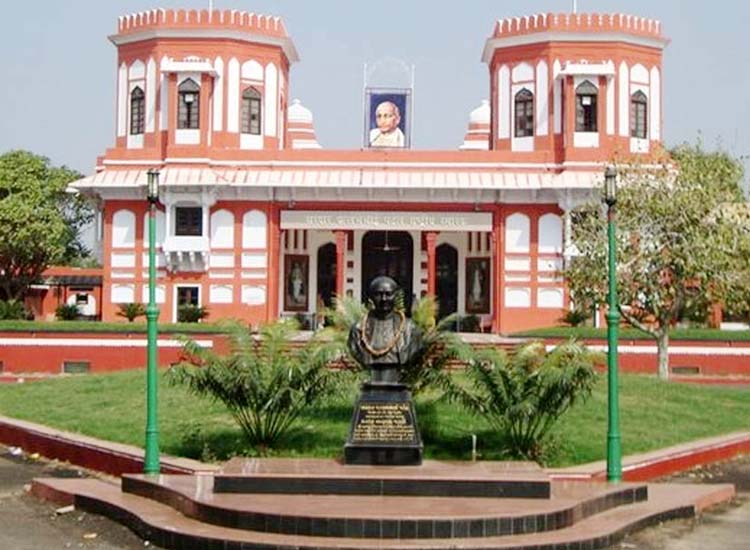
392,221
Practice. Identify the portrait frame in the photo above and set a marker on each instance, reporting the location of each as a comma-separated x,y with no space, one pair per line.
296,272
477,286
401,97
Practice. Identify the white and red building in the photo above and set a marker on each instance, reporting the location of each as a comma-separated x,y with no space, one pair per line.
258,221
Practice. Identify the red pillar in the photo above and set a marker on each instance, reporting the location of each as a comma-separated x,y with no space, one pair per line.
274,257
172,108
498,229
340,261
205,99
569,114
431,239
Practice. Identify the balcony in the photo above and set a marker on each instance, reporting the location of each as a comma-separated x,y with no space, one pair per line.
186,253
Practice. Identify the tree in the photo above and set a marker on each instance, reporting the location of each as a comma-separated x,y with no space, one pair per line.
679,242
39,220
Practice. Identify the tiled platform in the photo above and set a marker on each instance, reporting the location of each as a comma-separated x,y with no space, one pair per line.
432,478
384,516
178,511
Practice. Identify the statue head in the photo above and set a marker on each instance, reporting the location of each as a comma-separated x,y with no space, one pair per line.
382,292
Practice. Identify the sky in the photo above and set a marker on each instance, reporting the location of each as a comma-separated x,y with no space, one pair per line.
59,68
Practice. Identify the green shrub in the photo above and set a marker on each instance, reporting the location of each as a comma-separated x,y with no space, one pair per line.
575,317
522,395
11,310
67,312
440,347
264,382
190,313
469,323
131,311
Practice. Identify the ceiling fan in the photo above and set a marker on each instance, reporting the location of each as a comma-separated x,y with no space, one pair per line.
386,246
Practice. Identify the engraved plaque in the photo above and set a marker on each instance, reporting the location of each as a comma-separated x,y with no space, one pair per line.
384,428
384,422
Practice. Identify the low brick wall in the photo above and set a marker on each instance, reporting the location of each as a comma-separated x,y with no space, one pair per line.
686,357
47,352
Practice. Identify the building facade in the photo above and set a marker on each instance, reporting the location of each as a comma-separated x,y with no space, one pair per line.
257,221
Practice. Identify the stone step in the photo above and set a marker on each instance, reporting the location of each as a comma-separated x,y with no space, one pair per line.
166,527
385,517
431,478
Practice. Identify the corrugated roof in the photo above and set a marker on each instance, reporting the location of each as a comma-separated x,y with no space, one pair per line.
392,178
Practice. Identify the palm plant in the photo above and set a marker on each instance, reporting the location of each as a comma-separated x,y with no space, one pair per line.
12,309
522,395
265,382
131,311
67,312
191,313
440,345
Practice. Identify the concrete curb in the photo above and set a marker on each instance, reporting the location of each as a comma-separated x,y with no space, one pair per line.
662,462
88,452
116,458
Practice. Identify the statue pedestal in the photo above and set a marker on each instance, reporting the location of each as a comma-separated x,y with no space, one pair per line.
384,427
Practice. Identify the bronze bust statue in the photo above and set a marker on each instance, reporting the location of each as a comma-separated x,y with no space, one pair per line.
385,339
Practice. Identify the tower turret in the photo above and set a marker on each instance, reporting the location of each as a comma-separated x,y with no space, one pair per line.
575,87
197,84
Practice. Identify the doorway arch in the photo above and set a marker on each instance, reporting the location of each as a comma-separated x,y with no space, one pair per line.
389,253
326,274
446,279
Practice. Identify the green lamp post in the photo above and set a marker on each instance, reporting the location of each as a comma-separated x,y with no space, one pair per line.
151,460
614,448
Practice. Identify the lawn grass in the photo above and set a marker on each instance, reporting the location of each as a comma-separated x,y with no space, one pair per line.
654,414
629,333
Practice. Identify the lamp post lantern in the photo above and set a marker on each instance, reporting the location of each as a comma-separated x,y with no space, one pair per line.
614,449
151,460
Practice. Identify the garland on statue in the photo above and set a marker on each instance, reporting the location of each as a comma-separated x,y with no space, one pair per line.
391,344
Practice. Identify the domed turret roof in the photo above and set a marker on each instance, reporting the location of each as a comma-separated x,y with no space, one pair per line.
300,126
478,135
481,115
299,113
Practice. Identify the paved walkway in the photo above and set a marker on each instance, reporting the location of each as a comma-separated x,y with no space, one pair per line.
30,524
726,528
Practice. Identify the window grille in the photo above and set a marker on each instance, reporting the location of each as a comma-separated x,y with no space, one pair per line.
586,100
251,111
524,116
188,112
639,115
137,111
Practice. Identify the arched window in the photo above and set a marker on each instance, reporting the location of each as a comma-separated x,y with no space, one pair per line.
251,111
137,111
638,115
188,111
524,104
586,94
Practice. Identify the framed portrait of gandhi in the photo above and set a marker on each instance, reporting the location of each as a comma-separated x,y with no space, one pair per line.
296,282
477,285
387,118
